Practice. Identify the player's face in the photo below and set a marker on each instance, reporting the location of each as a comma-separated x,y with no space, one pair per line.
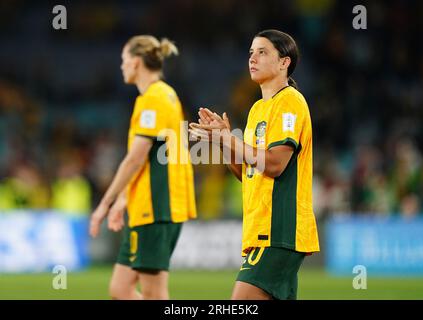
129,66
264,63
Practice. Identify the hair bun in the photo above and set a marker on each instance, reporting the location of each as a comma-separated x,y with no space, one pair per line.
168,48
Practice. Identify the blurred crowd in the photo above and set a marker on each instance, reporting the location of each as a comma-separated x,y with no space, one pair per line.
64,110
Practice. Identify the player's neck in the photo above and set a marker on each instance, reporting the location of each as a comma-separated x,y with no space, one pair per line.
146,80
271,87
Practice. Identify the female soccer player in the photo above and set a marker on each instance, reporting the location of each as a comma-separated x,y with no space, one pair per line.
275,168
154,182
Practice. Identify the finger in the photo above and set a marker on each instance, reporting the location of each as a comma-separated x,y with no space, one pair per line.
216,116
207,114
117,225
93,231
121,223
201,127
212,115
200,121
226,120
203,117
114,217
199,130
199,137
194,125
207,111
198,134
113,226
207,127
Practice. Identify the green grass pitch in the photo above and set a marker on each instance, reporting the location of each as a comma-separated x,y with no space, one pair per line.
205,285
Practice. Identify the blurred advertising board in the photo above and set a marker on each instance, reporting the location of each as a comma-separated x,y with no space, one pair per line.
209,245
36,241
384,245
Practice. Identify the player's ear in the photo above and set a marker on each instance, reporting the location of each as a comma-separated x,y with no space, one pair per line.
137,62
284,63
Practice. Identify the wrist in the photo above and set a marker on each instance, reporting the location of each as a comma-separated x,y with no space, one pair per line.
226,138
122,196
106,202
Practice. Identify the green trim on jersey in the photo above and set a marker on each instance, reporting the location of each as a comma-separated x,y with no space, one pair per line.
284,205
159,181
289,141
154,138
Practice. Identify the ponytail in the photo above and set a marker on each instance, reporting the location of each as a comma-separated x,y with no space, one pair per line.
151,50
292,83
168,48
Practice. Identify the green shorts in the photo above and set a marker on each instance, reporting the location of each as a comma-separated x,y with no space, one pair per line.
149,247
274,270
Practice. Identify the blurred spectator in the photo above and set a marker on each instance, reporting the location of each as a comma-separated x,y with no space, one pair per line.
407,177
25,188
233,196
211,192
71,191
105,156
410,205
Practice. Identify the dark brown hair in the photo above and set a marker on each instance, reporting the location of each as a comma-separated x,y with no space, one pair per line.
286,47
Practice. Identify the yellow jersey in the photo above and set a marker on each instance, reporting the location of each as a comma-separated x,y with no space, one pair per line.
278,212
163,190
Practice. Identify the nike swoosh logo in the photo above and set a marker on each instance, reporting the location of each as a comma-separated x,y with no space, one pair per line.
132,259
244,269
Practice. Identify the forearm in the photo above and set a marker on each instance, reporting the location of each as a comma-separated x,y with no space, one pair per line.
231,161
122,194
265,161
241,152
126,171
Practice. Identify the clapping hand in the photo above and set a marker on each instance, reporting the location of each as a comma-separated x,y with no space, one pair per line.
210,126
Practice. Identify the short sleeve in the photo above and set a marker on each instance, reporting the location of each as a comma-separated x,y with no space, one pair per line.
286,124
150,118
